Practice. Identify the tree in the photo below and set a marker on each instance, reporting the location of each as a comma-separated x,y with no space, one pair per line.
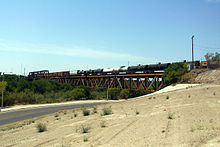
210,57
173,73
5,85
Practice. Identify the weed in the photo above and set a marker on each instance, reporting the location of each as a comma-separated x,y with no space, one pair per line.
167,97
189,96
86,112
150,98
214,93
75,115
103,124
94,109
56,115
107,111
58,118
30,122
85,129
137,112
201,128
64,112
85,139
41,127
170,116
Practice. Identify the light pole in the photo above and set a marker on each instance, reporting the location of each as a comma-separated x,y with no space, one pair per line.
192,52
2,91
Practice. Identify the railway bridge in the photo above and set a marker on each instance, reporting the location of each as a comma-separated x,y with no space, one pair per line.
148,82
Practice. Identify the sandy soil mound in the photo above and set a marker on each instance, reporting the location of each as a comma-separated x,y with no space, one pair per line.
186,117
202,76
210,76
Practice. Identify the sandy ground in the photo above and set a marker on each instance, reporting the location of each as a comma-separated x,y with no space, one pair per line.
186,117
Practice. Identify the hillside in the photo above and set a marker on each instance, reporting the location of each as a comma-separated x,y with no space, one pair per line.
202,76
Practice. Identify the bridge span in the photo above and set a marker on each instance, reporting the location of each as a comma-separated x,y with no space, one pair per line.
148,82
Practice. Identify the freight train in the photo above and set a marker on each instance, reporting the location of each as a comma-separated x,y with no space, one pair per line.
139,69
147,69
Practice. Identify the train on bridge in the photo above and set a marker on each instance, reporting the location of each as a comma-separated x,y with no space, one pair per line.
123,70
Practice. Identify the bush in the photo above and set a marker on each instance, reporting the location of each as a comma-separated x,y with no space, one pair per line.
80,93
113,93
85,129
94,109
107,111
103,124
124,94
41,127
174,73
86,112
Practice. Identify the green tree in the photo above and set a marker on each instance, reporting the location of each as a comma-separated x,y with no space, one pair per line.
113,93
173,73
5,86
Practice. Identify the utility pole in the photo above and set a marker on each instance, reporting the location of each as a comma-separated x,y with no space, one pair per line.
192,52
2,92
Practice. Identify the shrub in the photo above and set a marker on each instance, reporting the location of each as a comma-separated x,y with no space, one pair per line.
85,129
85,139
56,115
41,127
170,116
173,73
80,93
107,111
124,94
167,97
113,93
86,112
137,112
75,115
103,124
138,92
94,109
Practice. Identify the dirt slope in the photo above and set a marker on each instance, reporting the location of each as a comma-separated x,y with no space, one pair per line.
187,117
202,76
210,76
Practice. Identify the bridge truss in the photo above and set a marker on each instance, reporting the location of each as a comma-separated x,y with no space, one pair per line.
148,82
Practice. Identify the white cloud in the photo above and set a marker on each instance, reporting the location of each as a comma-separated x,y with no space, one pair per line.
73,52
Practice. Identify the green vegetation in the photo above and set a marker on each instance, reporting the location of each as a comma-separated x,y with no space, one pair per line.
107,111
85,139
210,57
85,129
103,124
170,116
174,73
56,115
137,112
94,109
85,112
18,90
41,127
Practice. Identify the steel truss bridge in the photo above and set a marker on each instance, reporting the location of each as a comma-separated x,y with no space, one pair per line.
148,82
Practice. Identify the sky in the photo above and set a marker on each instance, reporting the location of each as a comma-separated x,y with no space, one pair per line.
61,35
